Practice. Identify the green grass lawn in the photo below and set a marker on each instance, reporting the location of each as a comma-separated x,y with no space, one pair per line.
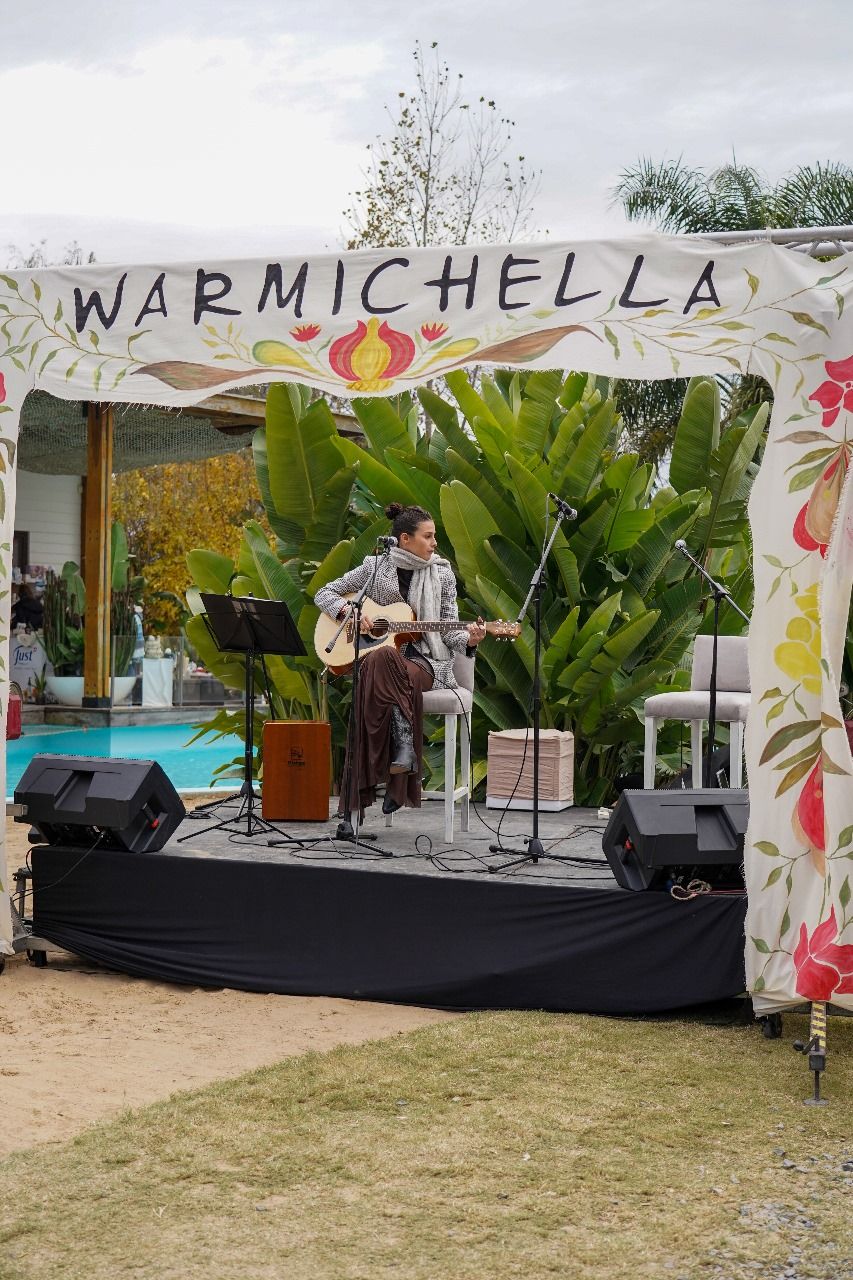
496,1145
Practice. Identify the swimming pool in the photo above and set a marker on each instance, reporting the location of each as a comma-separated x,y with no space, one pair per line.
188,768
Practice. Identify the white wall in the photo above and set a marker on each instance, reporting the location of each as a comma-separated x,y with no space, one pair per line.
48,508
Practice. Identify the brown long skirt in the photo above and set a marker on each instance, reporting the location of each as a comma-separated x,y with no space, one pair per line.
386,680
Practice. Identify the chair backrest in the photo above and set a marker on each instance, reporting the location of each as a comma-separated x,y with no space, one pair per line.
732,663
463,669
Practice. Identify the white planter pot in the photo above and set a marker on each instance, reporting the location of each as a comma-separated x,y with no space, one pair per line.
68,690
121,688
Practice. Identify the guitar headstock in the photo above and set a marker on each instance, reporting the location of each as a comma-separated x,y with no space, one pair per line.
503,630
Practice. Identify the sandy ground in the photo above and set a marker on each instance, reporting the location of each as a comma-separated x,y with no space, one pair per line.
79,1044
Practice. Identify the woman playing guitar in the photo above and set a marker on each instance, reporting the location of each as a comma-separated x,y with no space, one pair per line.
389,715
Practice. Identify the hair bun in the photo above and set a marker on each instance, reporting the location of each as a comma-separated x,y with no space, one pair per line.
393,510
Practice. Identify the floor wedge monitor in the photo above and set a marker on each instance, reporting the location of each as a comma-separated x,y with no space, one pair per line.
82,800
657,838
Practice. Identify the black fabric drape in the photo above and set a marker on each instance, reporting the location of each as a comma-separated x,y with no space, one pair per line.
386,935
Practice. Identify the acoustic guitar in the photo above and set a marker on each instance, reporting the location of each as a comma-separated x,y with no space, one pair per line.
392,624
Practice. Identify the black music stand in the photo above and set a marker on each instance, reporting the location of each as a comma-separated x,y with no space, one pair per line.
253,627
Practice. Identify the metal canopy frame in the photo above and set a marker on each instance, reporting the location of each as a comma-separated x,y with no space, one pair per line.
816,242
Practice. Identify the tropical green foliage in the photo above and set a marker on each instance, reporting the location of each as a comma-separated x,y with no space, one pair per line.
61,635
619,610
126,591
65,607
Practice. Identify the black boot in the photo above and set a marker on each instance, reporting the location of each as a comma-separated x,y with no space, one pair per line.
403,758
389,804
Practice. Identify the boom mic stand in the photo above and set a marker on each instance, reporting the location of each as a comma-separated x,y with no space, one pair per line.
719,592
535,849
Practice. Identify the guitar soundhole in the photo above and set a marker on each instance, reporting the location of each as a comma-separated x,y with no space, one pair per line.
379,628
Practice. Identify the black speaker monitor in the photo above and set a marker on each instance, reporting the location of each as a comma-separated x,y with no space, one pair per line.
657,837
75,800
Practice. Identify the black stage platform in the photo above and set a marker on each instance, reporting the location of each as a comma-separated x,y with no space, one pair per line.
431,925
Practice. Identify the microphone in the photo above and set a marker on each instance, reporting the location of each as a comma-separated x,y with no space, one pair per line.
681,546
387,541
567,512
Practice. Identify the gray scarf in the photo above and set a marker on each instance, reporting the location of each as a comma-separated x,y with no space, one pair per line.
425,594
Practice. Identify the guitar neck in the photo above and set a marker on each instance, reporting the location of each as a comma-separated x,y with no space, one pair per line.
409,627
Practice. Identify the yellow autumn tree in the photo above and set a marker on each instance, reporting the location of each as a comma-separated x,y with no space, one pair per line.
169,509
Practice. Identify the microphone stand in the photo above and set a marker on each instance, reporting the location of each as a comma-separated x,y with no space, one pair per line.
345,830
535,849
719,592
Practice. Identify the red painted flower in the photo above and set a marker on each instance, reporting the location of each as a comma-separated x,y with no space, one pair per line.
802,537
433,331
823,969
2,388
371,356
839,391
809,821
305,332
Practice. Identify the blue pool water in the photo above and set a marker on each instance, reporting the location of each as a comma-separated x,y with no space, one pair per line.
188,768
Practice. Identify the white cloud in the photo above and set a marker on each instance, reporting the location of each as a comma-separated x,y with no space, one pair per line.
146,129
205,132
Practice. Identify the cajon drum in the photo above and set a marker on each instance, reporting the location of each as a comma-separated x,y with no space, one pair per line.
297,763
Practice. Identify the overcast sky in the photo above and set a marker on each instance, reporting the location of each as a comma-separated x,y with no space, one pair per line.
167,128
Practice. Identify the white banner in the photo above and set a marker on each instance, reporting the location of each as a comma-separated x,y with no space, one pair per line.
383,321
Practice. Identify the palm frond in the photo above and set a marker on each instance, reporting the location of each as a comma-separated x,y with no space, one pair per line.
670,194
742,198
819,195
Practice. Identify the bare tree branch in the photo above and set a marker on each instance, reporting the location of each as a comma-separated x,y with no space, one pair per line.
441,175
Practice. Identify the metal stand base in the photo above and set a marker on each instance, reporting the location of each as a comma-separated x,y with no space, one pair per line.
534,852
349,835
246,813
816,1049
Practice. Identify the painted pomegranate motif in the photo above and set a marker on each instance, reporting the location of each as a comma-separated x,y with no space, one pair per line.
371,356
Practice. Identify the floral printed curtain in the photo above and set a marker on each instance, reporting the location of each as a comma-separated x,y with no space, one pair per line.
383,321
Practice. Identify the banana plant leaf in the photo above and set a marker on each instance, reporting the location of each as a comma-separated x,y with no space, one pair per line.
289,532
330,515
301,453
210,570
382,426
506,515
468,524
470,402
418,475
446,419
382,483
697,435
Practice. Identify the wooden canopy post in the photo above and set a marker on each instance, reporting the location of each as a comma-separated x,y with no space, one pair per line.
96,561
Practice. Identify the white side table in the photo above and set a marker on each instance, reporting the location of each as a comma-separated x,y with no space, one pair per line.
157,682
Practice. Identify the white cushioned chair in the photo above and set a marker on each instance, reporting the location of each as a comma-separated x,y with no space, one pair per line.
732,705
456,706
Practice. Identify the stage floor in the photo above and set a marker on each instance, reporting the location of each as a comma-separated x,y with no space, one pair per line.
416,840
430,924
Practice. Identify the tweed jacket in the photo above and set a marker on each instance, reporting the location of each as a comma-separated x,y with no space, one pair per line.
385,589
